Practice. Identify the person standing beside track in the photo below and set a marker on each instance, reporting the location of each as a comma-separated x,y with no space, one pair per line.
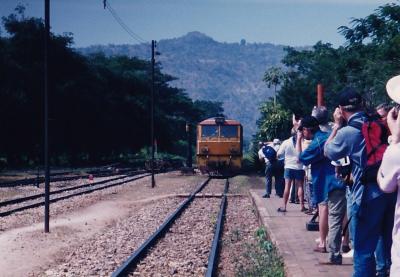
278,169
329,192
267,153
389,181
293,172
372,210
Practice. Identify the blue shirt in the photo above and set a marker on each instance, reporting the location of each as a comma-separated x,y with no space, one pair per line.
322,171
349,141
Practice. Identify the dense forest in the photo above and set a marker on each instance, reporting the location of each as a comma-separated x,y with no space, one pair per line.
98,106
369,57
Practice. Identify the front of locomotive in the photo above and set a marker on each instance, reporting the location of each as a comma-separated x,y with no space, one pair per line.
219,146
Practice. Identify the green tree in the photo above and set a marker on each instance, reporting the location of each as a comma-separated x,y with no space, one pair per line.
209,108
275,122
273,77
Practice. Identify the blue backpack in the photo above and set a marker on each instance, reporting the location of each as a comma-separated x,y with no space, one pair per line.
269,153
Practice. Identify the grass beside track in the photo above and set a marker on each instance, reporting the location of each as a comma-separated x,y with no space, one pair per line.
262,258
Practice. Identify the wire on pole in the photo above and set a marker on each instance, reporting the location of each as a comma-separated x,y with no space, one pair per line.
117,18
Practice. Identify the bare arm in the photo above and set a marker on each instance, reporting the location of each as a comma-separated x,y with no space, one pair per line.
299,142
338,117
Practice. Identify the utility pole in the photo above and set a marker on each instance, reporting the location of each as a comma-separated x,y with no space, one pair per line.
189,146
46,116
320,95
153,46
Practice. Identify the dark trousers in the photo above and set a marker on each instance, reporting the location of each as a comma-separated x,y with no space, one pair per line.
274,169
373,220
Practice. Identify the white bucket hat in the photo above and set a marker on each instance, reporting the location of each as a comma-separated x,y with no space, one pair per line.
393,88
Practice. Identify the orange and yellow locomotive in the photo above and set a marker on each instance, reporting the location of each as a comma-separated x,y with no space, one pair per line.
219,146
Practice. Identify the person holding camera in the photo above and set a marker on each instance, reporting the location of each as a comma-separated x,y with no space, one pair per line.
389,172
293,168
329,192
372,210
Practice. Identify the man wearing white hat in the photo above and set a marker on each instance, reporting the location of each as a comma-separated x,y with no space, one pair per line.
389,172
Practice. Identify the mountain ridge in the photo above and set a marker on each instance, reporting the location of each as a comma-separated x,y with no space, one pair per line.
210,70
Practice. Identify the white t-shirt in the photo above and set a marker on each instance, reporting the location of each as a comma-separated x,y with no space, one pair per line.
289,153
389,181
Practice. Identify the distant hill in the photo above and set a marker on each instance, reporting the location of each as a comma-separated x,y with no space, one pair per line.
210,70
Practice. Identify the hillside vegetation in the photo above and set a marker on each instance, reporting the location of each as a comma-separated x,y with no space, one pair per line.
231,73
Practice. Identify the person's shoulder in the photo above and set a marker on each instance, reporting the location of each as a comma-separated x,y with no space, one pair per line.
322,135
284,144
286,141
393,150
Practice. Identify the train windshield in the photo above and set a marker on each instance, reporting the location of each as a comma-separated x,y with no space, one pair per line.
209,131
229,131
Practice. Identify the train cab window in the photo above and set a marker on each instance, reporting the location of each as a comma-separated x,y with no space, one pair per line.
228,131
209,131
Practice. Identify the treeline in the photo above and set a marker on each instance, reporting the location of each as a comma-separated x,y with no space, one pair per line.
99,107
369,57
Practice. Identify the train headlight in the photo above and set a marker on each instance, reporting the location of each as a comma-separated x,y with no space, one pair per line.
204,150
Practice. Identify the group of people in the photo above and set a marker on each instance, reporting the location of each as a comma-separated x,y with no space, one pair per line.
331,158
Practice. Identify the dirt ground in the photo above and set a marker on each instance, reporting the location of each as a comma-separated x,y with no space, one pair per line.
28,251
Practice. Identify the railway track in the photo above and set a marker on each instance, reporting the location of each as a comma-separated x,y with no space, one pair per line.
57,178
178,219
65,193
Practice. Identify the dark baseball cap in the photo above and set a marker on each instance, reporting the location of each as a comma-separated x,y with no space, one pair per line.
308,122
350,97
320,114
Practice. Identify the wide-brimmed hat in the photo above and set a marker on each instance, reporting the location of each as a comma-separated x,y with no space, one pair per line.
393,88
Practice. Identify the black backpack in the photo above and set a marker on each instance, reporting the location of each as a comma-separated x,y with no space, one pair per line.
269,153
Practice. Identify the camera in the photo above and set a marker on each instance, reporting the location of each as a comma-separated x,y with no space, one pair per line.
396,110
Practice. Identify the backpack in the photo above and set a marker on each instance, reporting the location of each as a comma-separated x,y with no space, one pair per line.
375,135
269,153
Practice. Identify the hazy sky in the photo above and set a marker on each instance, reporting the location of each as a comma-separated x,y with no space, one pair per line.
288,22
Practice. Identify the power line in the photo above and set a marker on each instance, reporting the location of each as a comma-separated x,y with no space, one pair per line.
122,23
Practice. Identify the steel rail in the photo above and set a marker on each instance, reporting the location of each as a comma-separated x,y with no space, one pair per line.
135,258
214,253
35,180
35,205
35,196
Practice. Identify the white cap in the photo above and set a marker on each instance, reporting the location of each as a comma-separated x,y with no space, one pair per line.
393,88
276,141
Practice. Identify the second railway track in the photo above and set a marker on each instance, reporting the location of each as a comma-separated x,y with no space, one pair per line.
33,201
